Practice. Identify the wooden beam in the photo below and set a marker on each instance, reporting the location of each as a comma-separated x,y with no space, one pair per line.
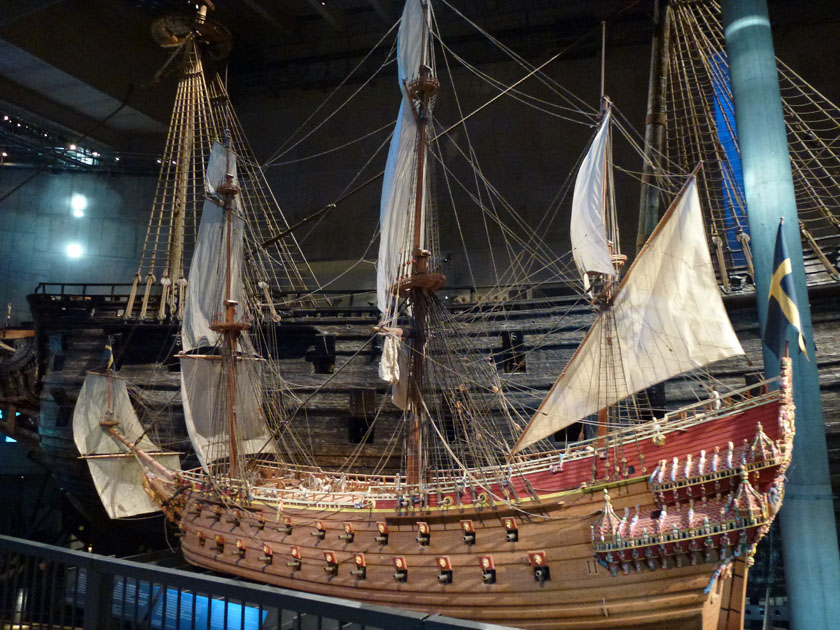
331,12
15,333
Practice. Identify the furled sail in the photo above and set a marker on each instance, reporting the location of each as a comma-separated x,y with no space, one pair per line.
204,394
206,282
115,471
205,383
667,317
221,162
587,228
393,367
398,188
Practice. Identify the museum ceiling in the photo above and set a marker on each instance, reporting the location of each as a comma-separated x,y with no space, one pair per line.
91,67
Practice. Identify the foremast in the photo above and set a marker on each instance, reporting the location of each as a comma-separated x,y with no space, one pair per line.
229,328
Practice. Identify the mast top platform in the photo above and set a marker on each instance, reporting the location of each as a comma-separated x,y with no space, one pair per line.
420,277
171,31
424,86
428,282
232,327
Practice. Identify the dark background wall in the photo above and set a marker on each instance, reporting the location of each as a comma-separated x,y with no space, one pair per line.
526,153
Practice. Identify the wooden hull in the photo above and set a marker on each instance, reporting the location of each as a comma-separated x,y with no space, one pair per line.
580,593
657,571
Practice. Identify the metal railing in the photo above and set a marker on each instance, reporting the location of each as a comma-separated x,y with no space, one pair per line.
111,290
357,298
42,586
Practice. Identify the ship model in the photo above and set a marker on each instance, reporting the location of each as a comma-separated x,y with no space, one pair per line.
323,347
648,523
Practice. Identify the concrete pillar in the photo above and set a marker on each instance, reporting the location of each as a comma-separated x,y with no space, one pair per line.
812,566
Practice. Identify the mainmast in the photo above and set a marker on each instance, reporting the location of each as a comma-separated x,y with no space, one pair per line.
173,281
421,282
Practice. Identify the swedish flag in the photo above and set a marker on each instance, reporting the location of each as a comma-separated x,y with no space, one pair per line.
781,308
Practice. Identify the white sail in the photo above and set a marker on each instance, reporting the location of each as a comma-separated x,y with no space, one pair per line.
206,282
398,188
667,317
587,228
118,481
204,394
92,408
115,471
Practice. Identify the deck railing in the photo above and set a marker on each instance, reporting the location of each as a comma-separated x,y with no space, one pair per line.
361,487
42,586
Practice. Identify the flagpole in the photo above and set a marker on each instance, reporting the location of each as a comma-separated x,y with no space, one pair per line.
812,566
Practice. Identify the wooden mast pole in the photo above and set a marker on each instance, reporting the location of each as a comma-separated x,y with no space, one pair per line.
230,328
421,91
420,262
418,302
603,414
230,336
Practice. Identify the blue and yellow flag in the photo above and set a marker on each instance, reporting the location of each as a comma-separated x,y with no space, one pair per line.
782,308
108,355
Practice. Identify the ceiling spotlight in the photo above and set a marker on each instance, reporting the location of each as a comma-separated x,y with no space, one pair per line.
72,147
4,154
117,159
5,118
74,250
78,203
159,160
95,154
